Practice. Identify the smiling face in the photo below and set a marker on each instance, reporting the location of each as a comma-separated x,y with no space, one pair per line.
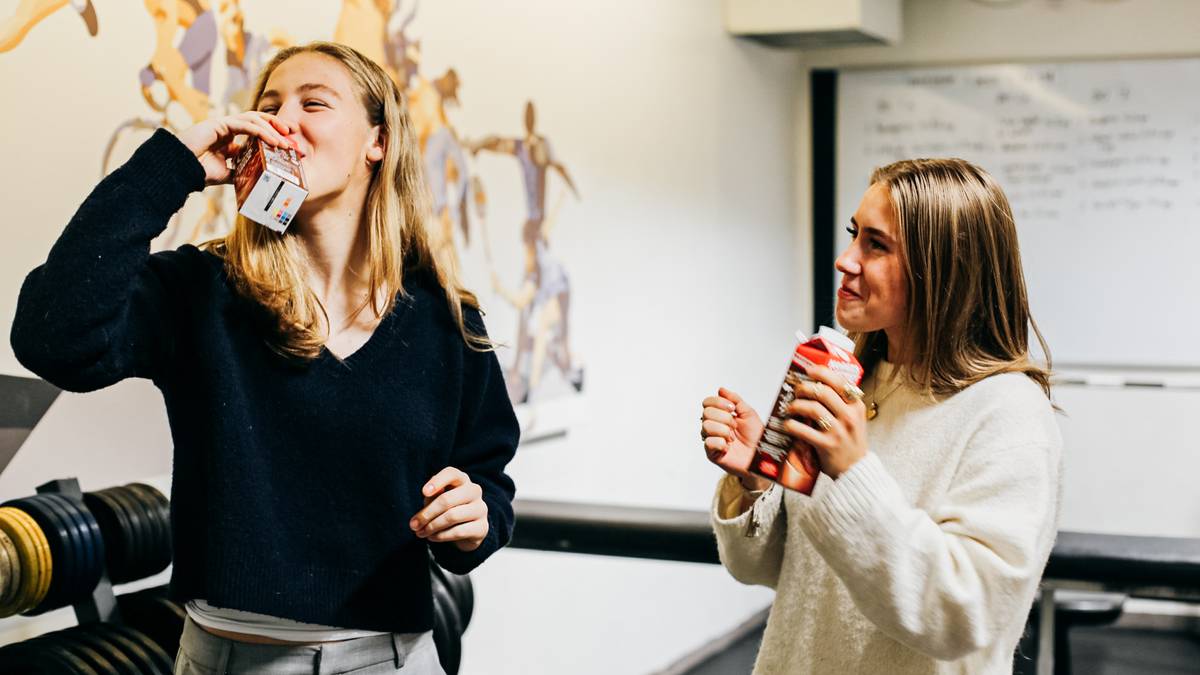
316,93
874,293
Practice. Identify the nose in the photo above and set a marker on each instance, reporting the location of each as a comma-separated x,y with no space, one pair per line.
291,127
848,263
289,114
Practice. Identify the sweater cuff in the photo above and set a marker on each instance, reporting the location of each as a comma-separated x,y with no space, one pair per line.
857,495
165,171
764,509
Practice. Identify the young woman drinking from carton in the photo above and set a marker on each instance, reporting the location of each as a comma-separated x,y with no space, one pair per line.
335,406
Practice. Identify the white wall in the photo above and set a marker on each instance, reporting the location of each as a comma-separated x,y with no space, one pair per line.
1128,452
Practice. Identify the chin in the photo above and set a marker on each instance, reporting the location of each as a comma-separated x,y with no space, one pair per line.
852,323
318,192
845,320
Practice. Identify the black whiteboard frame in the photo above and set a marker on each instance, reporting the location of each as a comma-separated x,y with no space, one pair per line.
823,105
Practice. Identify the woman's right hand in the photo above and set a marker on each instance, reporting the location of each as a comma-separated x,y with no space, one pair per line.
212,141
731,430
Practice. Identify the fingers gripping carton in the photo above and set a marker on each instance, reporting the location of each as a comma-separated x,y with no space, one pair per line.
269,183
779,457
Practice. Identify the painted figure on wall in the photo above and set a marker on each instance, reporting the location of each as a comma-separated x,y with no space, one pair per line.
245,54
184,67
362,24
445,162
366,26
544,298
377,29
30,13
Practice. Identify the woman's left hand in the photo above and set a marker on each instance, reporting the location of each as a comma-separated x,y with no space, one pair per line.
454,511
839,420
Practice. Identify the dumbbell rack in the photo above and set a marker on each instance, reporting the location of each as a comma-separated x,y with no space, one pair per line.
102,605
453,594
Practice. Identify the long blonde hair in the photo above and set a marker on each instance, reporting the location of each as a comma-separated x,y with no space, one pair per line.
269,268
968,311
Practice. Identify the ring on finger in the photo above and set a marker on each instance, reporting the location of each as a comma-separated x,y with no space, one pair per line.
851,392
824,423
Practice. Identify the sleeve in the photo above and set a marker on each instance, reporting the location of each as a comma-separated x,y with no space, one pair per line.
951,581
750,544
99,309
485,443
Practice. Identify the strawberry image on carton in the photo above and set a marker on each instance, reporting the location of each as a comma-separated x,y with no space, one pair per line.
778,457
269,183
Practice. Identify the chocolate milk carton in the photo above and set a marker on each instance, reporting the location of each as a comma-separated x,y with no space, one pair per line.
775,458
269,183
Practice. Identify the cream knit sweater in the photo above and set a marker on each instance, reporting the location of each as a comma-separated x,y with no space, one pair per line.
925,556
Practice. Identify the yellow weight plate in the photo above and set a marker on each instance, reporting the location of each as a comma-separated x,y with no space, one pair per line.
27,556
10,578
47,563
16,528
45,567
41,559
10,569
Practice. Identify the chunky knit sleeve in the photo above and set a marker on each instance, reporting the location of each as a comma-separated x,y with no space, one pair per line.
100,308
750,544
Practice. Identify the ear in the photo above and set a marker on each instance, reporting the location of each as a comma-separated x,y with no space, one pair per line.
378,147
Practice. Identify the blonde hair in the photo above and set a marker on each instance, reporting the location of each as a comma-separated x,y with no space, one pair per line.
968,311
270,269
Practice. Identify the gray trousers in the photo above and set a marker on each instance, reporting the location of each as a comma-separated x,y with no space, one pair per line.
202,653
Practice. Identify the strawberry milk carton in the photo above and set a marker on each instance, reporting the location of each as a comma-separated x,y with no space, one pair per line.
778,457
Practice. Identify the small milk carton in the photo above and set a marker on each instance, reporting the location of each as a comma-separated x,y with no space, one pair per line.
269,183
778,457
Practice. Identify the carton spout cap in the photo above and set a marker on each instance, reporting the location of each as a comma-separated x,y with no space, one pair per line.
836,337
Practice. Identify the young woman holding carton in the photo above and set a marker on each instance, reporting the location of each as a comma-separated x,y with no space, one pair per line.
921,546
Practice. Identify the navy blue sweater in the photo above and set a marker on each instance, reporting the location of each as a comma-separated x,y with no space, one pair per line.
293,483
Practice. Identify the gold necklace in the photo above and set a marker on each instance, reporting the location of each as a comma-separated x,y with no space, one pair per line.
873,406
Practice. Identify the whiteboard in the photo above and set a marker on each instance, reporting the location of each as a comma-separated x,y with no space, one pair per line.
1101,162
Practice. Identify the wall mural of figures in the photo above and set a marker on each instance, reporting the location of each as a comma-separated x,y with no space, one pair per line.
203,57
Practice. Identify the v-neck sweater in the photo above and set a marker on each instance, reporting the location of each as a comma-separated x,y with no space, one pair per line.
293,483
